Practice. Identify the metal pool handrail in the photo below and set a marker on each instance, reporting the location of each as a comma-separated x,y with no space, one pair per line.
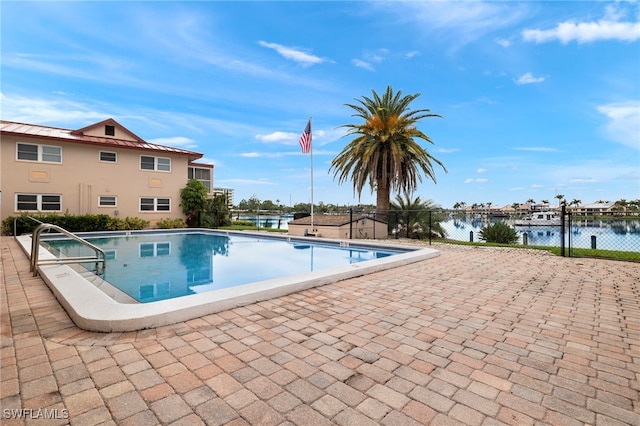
15,224
101,263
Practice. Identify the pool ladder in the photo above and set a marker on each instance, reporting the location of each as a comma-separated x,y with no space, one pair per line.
100,257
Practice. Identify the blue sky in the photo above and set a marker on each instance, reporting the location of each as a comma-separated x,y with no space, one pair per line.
536,98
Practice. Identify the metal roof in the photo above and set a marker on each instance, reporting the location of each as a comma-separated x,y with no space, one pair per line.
330,220
76,136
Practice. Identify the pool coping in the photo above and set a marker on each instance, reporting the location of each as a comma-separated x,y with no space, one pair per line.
92,309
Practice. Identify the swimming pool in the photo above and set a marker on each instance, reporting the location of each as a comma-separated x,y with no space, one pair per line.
156,267
94,304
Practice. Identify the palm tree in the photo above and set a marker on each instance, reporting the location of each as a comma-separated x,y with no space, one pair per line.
417,218
384,152
459,206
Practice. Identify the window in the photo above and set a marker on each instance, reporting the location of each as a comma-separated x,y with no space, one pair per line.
38,202
155,249
109,130
107,200
159,291
43,153
109,157
203,175
148,204
155,163
163,164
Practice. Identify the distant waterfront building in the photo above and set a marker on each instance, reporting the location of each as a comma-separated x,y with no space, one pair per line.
594,208
102,168
225,191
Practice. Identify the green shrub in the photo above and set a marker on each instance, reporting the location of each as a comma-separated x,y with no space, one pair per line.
171,223
242,223
72,223
499,232
134,223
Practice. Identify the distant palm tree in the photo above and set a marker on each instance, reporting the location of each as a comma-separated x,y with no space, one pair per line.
385,152
560,198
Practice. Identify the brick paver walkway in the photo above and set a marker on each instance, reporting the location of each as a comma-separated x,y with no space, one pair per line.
476,336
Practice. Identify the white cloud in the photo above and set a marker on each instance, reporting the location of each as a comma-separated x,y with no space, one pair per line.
447,150
503,42
476,180
362,64
481,170
296,55
277,137
43,111
609,28
624,122
528,78
411,54
460,22
376,55
250,154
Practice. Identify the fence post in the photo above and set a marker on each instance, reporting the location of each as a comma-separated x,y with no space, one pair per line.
593,242
350,223
397,225
430,227
562,228
525,239
470,236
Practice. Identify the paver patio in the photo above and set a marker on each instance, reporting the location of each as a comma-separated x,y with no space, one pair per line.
476,336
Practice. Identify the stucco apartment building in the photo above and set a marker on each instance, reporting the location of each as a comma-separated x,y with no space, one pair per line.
103,168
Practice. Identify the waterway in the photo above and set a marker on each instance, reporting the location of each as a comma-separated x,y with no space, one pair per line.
602,234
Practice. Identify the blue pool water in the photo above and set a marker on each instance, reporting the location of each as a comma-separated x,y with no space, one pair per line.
158,266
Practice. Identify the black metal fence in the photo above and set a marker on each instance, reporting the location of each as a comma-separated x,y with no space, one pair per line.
568,233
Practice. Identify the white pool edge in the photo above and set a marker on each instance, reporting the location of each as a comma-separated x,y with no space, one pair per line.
92,309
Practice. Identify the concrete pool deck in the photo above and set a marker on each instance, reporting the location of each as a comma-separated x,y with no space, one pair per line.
475,336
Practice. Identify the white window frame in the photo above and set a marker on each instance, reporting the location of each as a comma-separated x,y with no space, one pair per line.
152,290
115,157
40,153
39,202
155,204
112,254
155,249
160,164
101,201
192,172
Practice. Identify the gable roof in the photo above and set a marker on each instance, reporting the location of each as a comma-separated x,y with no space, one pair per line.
78,136
330,220
108,121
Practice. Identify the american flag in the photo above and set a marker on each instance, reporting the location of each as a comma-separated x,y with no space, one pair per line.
305,139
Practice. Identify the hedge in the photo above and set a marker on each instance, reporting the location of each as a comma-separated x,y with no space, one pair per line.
72,223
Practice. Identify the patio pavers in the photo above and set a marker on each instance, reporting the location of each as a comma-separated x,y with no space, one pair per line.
476,336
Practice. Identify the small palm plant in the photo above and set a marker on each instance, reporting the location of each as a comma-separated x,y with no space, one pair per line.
499,232
416,218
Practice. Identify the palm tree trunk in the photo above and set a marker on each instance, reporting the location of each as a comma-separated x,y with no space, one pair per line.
383,200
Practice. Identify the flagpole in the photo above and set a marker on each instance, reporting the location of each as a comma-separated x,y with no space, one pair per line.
311,152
